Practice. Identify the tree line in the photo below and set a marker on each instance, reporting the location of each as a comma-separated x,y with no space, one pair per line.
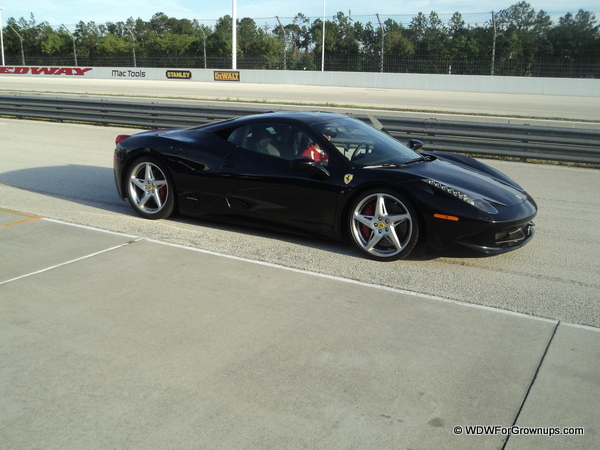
515,41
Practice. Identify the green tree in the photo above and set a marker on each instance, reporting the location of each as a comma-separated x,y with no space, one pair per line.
397,41
88,37
340,38
523,38
32,33
523,34
248,37
55,44
170,45
159,23
111,45
344,34
429,35
219,42
576,36
299,34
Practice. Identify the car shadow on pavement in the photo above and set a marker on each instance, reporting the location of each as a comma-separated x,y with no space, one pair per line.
94,186
87,185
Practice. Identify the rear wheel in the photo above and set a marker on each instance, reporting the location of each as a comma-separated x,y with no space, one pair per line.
150,189
383,225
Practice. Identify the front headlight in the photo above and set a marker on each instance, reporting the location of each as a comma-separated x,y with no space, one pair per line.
465,195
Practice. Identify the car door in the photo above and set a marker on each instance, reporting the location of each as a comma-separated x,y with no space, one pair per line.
263,186
196,165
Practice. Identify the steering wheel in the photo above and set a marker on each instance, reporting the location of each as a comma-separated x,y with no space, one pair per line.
358,150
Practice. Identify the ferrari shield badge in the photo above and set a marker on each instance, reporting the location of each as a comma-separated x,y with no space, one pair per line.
348,178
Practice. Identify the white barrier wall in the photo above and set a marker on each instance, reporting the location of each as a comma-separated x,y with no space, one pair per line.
457,83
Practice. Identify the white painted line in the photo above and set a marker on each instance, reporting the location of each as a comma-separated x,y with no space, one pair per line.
277,266
91,255
360,283
85,227
582,327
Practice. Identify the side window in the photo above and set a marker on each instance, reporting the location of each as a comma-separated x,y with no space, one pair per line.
277,139
297,142
274,139
311,148
236,136
261,138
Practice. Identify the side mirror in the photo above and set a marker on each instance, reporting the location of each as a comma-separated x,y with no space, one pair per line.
415,144
309,164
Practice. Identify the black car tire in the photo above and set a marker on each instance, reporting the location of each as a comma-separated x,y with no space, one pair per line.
383,225
150,189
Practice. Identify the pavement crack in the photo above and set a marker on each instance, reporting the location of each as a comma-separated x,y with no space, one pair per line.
530,387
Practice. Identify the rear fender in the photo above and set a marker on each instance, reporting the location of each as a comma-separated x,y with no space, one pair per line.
129,158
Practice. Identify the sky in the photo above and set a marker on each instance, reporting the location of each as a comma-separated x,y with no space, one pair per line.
70,12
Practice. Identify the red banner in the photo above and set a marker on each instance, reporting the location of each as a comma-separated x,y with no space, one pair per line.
21,70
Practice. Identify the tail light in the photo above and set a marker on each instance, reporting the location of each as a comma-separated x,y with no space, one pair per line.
121,137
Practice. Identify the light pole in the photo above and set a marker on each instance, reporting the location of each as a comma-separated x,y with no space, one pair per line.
323,45
1,36
132,44
493,45
203,40
21,38
382,40
234,35
74,47
203,45
284,43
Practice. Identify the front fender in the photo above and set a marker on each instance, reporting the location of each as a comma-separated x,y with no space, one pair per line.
467,161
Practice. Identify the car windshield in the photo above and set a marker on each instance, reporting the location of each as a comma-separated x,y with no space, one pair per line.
364,145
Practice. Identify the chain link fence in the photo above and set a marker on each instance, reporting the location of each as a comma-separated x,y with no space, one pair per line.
367,59
541,67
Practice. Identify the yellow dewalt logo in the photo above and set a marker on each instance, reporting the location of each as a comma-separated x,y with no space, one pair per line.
227,76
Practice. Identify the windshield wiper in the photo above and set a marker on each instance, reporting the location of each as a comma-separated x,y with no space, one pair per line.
380,166
385,165
419,159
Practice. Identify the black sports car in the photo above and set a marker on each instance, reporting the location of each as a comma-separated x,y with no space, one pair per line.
324,174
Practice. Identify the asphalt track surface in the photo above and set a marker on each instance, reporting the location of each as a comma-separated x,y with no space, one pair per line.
64,172
122,332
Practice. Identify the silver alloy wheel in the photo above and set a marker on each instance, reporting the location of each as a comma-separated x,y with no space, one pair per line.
148,188
383,226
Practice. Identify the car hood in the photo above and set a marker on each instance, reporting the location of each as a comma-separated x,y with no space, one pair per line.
470,179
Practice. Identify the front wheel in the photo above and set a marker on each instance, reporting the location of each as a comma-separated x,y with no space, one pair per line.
149,189
383,225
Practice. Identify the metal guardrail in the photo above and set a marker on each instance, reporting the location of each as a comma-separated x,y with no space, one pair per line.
520,141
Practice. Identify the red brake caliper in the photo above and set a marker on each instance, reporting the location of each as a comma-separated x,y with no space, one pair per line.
368,210
163,193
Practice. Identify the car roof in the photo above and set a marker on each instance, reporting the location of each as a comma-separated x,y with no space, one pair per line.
302,117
